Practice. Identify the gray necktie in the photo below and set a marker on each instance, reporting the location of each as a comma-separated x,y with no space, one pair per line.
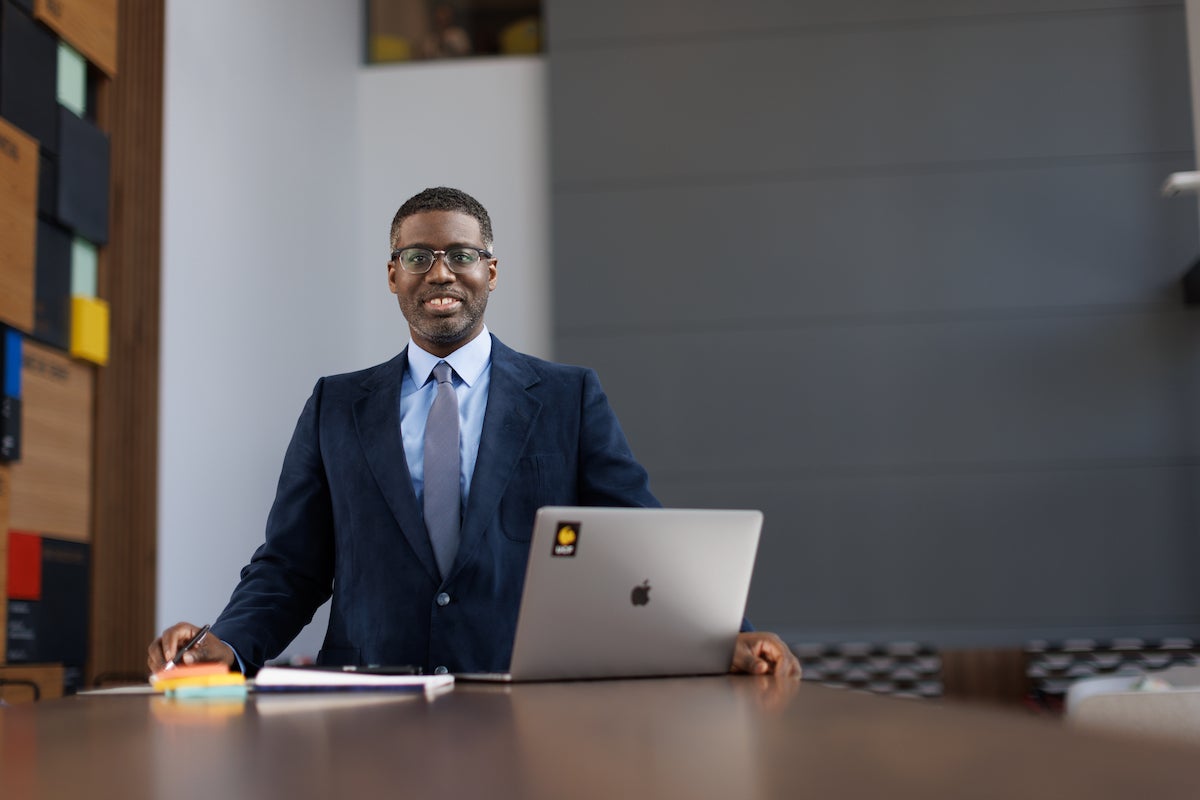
442,497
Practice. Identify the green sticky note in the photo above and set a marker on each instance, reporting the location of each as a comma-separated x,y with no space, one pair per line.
72,79
83,268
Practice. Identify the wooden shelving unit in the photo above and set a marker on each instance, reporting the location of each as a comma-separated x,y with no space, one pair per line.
88,473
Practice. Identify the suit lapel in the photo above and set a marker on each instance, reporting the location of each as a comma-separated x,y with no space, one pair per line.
507,423
377,421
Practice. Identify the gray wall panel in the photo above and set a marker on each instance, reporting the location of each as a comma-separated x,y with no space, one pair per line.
832,249
967,397
585,23
933,556
1047,87
1054,389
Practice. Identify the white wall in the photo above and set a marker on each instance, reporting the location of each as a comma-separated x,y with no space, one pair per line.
284,162
1193,34
406,142
257,207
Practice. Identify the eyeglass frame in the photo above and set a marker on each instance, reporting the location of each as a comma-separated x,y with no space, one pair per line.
483,255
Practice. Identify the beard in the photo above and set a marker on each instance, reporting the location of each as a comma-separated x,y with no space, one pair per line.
445,330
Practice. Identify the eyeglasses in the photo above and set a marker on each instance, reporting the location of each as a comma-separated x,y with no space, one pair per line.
419,260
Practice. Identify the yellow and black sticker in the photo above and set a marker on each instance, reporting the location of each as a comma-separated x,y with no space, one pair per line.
566,538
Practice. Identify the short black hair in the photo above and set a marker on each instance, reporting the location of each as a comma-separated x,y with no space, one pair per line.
443,198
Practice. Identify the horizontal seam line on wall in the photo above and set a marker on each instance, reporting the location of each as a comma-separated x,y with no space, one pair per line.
866,171
571,45
799,634
949,624
969,316
932,470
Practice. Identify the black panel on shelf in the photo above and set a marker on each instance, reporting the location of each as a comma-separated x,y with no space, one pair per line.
83,174
47,183
28,75
10,428
65,579
94,78
52,307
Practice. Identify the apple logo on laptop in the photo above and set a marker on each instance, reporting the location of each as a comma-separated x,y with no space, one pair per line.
640,595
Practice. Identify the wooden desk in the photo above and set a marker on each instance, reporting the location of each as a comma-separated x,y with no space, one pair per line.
728,737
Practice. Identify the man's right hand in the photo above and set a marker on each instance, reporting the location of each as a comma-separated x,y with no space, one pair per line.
163,649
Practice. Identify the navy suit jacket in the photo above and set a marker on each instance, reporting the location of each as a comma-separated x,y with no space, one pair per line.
346,520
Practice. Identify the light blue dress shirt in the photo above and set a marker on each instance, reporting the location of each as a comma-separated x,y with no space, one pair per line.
472,365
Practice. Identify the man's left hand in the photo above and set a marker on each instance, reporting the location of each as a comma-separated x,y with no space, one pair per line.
760,653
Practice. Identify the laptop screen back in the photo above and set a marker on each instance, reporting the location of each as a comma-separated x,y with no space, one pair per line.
623,592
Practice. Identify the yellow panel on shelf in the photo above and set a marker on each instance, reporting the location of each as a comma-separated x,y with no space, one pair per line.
89,329
89,25
18,226
51,484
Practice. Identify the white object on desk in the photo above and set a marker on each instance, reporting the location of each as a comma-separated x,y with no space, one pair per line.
318,679
1119,704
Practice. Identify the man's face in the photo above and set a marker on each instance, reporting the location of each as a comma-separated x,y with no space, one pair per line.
444,309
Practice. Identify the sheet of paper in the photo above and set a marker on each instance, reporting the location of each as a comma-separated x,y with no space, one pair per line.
319,679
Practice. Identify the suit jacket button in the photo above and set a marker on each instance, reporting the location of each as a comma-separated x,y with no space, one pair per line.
443,599
440,671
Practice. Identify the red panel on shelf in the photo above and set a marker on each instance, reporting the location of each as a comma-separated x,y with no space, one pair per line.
24,566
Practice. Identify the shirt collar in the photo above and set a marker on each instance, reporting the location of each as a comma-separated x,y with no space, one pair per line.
468,361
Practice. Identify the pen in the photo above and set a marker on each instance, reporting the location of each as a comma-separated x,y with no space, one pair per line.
195,640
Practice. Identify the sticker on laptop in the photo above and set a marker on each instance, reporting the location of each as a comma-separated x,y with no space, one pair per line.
566,538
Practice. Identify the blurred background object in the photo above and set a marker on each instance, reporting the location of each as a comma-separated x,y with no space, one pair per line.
405,30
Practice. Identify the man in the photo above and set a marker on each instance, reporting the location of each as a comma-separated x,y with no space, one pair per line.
353,505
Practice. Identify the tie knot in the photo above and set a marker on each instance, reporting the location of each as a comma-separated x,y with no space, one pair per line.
442,372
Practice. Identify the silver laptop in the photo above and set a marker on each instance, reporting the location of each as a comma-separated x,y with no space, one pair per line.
632,592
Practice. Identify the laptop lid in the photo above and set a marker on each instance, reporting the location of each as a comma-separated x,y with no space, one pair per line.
630,592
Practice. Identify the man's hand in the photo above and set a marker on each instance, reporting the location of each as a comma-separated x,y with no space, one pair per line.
163,649
761,653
